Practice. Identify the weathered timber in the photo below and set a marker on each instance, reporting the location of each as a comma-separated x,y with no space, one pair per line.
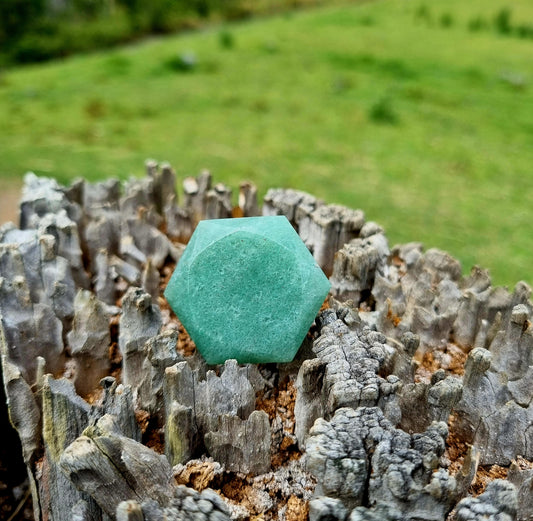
29,313
112,468
160,353
195,192
68,243
139,322
151,279
323,228
353,429
218,202
327,508
24,412
105,278
422,403
89,342
65,416
355,266
242,445
221,409
496,412
248,200
522,479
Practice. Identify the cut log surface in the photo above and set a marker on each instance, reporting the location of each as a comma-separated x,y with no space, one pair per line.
411,397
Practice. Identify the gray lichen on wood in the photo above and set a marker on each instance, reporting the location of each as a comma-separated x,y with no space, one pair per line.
362,460
498,503
183,504
345,372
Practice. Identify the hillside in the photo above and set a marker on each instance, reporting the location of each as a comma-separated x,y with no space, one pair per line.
420,114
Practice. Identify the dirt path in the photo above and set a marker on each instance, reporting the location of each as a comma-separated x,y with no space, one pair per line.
10,193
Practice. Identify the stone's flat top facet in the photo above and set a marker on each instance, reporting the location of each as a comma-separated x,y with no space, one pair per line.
247,289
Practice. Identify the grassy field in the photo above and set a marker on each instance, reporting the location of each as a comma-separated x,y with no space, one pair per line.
399,108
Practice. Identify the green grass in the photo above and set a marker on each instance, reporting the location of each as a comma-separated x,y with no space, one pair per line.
425,125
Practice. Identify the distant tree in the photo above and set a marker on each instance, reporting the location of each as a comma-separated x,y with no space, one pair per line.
158,14
88,8
202,7
16,16
502,20
446,20
134,9
477,23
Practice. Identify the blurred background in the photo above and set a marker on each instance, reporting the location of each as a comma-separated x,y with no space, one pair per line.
419,112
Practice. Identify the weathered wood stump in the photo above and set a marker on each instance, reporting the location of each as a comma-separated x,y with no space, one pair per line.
412,392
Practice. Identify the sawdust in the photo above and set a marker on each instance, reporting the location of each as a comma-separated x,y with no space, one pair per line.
94,396
166,274
523,463
399,263
116,361
152,436
457,361
297,509
262,498
487,473
143,419
391,316
450,357
237,212
456,451
240,491
185,346
279,403
198,474
456,448
484,475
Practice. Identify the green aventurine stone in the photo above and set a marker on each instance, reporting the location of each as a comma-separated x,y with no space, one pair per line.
247,289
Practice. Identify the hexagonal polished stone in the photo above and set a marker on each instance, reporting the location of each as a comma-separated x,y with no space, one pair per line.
247,289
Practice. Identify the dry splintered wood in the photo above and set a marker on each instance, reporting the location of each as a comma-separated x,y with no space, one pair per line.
410,398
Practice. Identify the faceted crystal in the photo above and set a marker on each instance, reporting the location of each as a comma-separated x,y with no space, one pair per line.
247,289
